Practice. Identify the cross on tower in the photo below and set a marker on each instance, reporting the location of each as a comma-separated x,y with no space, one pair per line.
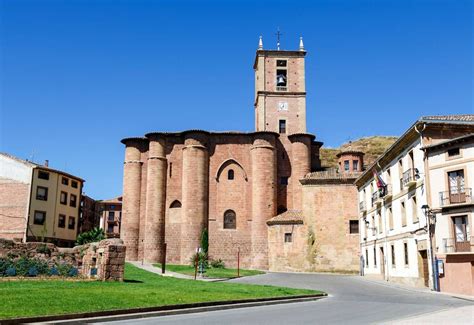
278,34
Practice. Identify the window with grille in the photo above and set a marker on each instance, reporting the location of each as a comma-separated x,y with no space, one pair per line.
230,221
353,226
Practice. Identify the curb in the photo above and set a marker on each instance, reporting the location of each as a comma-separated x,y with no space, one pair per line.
419,290
135,313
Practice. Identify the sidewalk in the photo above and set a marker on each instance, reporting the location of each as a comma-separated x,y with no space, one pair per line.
150,268
461,315
414,289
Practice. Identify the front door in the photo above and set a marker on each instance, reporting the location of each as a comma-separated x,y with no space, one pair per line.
461,234
424,267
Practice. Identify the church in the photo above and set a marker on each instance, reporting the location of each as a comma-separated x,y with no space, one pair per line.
261,195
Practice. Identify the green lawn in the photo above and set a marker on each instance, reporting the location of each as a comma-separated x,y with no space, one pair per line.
27,298
210,272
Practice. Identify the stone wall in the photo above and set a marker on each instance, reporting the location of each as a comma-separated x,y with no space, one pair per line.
104,260
328,209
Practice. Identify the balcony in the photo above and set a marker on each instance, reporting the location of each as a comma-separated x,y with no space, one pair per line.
362,206
450,245
387,192
377,197
409,178
457,195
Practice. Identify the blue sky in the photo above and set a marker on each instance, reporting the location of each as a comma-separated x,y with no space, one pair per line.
77,76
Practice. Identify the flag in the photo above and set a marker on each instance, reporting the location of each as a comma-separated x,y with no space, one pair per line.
378,180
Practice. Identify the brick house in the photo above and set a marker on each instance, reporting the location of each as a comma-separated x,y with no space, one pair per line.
38,203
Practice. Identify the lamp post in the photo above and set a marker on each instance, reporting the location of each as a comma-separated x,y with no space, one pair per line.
431,221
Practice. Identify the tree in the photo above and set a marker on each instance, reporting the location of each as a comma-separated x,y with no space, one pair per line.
205,241
90,236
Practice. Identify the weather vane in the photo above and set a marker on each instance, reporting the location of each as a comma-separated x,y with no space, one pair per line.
278,34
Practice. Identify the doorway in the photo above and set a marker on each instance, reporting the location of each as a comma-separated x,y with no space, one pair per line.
424,267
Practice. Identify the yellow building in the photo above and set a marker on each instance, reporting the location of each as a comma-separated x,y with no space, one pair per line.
47,206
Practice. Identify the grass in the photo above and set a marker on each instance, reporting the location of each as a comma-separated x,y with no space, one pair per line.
222,273
27,298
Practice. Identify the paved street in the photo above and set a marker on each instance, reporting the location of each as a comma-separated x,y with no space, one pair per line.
352,300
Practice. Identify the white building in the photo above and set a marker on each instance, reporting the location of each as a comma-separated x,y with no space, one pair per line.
451,177
395,237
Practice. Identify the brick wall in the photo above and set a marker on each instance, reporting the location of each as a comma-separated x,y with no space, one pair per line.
13,209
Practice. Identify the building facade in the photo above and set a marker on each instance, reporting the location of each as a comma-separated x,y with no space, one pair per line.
397,233
239,186
451,173
110,213
38,203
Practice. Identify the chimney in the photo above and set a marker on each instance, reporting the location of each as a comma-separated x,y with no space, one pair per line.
46,163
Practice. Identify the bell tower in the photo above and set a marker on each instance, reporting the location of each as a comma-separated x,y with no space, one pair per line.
280,92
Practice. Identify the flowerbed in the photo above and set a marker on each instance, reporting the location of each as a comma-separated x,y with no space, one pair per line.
33,267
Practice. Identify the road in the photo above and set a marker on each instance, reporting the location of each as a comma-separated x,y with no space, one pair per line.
352,300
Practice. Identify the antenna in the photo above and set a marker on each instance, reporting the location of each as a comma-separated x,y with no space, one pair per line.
278,34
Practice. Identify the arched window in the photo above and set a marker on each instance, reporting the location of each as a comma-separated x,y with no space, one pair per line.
230,174
230,220
175,204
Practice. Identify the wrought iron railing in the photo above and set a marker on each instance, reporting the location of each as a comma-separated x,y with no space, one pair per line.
451,245
375,196
407,177
456,195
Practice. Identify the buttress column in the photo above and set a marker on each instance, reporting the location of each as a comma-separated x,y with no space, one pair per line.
155,198
264,194
195,192
300,164
132,169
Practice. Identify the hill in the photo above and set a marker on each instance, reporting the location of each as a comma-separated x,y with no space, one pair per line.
371,146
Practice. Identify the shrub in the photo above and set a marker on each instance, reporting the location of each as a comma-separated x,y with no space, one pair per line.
53,271
73,272
217,264
91,236
5,263
64,269
201,257
11,271
43,249
33,271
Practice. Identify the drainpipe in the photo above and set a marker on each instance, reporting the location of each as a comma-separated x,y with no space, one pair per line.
385,260
426,182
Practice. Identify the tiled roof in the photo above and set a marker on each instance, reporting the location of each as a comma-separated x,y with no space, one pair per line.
117,199
290,217
330,176
458,117
350,151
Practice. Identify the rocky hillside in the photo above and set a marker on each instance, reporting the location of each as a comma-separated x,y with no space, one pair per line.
371,146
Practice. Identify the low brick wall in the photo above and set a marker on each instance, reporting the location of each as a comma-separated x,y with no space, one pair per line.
104,260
